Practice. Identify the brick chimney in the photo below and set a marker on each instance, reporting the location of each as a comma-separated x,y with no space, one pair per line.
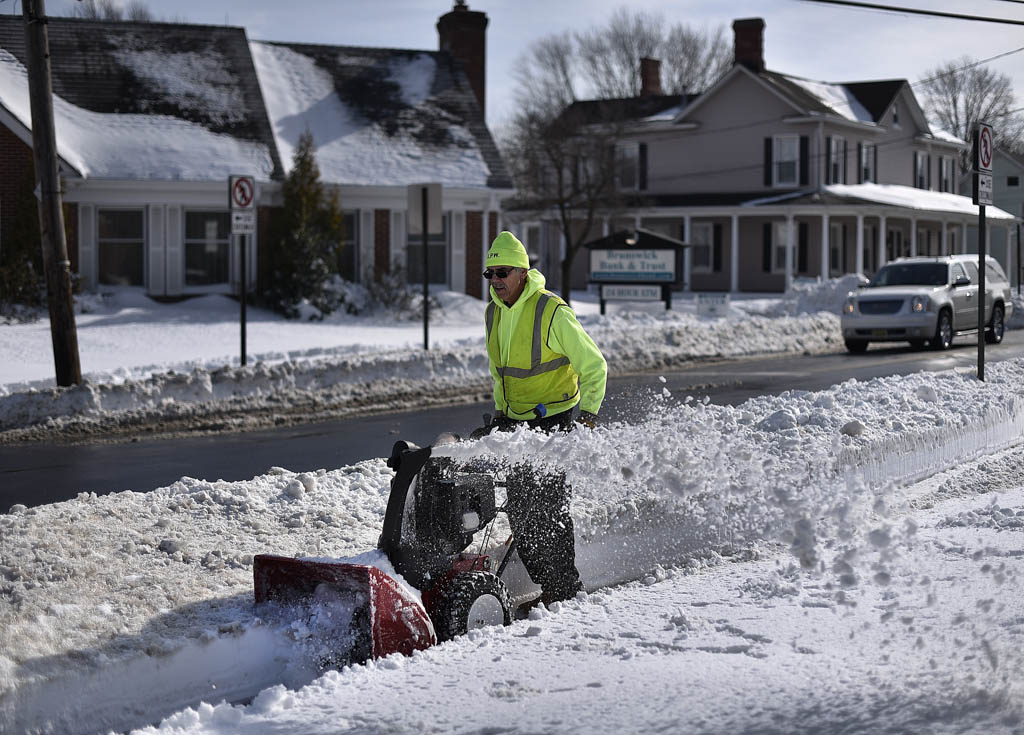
749,43
650,77
463,33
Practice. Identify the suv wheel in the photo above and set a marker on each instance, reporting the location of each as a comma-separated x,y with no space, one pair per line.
943,338
996,326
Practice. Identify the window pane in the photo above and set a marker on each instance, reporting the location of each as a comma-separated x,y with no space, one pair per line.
120,224
207,225
121,253
206,263
121,264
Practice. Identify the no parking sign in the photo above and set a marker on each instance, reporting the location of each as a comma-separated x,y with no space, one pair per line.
242,198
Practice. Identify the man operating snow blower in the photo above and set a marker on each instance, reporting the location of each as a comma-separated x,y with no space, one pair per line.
549,374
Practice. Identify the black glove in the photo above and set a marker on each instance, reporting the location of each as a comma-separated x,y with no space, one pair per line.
491,423
588,419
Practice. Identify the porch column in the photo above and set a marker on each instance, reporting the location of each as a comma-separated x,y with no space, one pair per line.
882,236
686,253
606,227
734,256
825,252
790,236
963,238
859,266
913,236
945,240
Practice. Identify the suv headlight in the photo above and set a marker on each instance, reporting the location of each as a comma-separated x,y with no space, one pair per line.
919,304
850,306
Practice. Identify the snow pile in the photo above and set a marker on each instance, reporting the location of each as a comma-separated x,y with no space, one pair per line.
135,593
807,296
349,377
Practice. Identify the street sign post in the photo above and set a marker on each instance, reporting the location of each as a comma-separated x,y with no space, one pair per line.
424,218
984,150
242,202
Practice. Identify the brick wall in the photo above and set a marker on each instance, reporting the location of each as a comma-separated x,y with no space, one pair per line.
16,179
381,241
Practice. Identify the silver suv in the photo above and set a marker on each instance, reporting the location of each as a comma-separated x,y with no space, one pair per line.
920,300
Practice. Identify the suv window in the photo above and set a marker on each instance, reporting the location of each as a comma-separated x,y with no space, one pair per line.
994,272
958,270
911,274
972,270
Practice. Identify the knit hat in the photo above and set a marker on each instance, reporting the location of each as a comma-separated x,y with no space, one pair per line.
507,250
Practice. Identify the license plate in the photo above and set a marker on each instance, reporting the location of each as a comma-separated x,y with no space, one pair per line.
879,332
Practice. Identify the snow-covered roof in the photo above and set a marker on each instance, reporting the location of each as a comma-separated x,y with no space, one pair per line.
172,101
837,97
911,198
378,116
146,100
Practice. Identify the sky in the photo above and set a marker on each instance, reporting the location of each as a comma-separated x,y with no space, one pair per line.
803,38
845,560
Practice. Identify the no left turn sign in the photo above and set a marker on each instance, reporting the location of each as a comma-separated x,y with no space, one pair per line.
984,149
242,192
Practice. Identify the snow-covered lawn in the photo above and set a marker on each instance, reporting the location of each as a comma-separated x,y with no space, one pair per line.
840,561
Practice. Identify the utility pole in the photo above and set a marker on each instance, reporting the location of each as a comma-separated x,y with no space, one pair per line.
56,265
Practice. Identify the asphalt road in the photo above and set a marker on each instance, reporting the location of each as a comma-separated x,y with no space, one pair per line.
48,473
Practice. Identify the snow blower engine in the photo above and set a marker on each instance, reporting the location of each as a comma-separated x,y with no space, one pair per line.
434,510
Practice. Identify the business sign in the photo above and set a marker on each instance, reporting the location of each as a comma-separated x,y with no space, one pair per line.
622,292
654,266
712,304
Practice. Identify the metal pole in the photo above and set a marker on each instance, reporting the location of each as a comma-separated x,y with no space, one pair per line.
245,288
56,264
426,277
1019,268
981,291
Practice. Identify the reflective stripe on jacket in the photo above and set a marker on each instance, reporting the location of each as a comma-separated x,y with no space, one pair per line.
531,372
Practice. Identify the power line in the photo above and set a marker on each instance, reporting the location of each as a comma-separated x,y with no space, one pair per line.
918,11
971,65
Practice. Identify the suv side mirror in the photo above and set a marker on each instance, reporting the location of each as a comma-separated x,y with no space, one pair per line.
862,282
961,281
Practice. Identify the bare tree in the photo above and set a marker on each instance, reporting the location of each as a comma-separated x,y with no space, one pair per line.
609,55
960,93
135,10
567,159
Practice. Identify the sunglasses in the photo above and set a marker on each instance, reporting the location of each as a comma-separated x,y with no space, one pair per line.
497,273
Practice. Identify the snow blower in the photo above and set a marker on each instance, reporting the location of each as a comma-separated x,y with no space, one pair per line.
434,510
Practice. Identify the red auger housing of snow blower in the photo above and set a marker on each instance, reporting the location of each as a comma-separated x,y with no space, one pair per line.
434,509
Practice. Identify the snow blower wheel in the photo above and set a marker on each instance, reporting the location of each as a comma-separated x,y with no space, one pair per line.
469,601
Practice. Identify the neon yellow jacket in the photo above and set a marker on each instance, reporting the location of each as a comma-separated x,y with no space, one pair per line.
587,370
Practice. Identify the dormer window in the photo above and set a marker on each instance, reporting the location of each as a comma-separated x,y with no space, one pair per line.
896,114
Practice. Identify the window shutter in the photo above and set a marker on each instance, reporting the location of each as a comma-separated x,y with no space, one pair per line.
805,149
767,161
846,160
766,247
642,166
801,249
716,254
913,169
860,163
846,252
874,167
929,176
828,160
